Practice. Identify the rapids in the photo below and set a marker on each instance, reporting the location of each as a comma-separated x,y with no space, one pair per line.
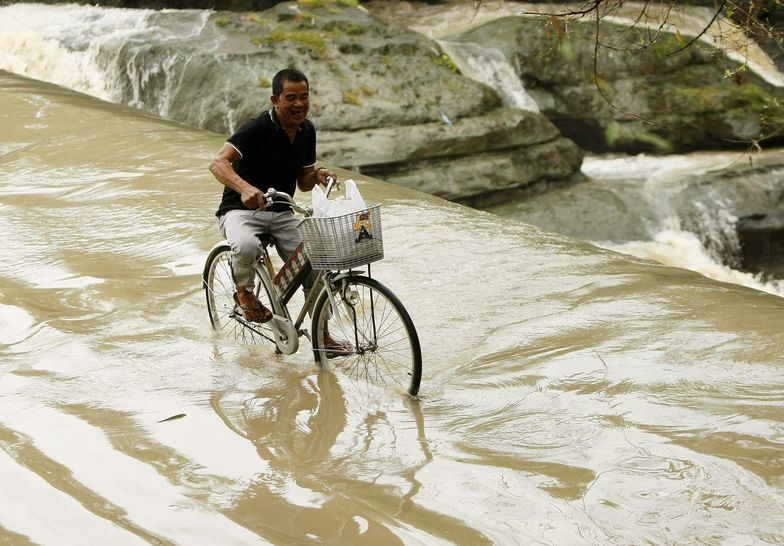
571,394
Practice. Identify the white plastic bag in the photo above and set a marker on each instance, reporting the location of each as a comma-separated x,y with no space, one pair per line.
320,201
352,202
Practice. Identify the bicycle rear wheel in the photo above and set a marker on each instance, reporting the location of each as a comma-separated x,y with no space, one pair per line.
225,315
383,345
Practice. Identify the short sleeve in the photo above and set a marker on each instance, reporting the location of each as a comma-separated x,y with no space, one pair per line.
243,137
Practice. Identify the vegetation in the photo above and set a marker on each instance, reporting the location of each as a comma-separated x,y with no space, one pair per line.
326,3
445,61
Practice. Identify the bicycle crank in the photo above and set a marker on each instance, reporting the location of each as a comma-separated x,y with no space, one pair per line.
286,335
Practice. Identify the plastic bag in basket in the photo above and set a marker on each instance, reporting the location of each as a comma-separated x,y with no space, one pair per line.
352,202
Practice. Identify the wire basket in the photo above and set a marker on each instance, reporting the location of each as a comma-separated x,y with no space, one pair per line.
343,242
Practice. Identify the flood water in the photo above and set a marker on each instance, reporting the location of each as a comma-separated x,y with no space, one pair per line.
571,394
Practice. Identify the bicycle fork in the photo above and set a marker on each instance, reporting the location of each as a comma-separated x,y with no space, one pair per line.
350,301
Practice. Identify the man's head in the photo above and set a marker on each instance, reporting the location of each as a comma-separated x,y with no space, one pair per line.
290,97
287,74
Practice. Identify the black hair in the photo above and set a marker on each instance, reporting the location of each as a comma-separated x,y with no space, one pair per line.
287,74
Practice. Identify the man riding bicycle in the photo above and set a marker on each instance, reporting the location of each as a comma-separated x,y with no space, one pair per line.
277,150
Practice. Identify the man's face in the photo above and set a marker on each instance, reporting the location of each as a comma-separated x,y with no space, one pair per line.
292,104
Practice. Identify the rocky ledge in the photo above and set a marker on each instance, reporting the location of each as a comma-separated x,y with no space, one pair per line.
386,100
390,101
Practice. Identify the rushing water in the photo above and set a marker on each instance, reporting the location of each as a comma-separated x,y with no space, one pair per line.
571,394
643,206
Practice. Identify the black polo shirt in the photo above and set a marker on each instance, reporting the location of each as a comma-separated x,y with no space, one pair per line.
269,158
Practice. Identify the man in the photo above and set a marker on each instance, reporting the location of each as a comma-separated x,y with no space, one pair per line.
275,150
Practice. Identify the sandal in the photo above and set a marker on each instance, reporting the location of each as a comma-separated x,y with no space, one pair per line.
254,313
335,347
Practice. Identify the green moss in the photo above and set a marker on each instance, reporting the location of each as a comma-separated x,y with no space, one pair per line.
750,94
264,83
566,51
350,97
344,27
613,134
724,95
316,4
310,40
258,19
445,61
660,144
222,21
616,135
664,45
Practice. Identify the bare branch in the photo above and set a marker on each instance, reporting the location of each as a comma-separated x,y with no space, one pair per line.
704,30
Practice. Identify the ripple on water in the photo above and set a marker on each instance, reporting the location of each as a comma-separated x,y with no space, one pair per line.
16,324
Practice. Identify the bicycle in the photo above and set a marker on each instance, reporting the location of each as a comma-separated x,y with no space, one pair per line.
381,344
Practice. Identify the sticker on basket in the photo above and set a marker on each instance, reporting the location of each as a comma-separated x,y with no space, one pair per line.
362,224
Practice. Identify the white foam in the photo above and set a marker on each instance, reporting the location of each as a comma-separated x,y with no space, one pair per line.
683,249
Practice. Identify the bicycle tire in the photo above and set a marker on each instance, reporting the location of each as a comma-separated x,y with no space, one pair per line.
225,315
384,341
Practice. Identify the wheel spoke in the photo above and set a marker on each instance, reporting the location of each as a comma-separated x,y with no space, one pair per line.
225,315
386,347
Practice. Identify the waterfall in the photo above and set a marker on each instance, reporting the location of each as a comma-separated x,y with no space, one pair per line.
696,234
101,51
490,66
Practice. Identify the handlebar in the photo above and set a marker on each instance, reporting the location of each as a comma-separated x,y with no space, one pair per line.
272,193
331,182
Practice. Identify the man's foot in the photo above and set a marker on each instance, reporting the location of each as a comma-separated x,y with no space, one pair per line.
252,308
336,347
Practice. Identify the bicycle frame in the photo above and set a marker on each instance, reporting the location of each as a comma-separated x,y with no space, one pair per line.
286,332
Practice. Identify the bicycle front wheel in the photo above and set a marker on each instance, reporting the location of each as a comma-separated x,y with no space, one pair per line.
364,331
225,315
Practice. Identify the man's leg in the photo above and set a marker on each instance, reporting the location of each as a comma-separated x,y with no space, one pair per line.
240,228
288,238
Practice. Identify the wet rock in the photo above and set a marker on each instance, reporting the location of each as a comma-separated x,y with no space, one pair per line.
646,99
761,239
385,100
738,212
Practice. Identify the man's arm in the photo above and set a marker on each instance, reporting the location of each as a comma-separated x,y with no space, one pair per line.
310,176
222,169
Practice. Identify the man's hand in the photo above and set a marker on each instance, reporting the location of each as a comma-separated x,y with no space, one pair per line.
310,176
253,198
322,173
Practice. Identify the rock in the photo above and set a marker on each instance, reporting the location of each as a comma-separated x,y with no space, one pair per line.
738,212
385,100
486,178
647,99
761,239
499,129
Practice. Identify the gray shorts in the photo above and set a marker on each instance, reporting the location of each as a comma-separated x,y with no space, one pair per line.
241,229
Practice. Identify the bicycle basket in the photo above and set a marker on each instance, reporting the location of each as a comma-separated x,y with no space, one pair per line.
345,241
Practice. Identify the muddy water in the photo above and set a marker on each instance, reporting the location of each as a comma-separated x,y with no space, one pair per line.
571,395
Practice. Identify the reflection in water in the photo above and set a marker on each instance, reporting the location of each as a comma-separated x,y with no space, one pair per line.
571,395
309,433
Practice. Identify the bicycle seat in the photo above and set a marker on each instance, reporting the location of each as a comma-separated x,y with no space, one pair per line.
266,239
